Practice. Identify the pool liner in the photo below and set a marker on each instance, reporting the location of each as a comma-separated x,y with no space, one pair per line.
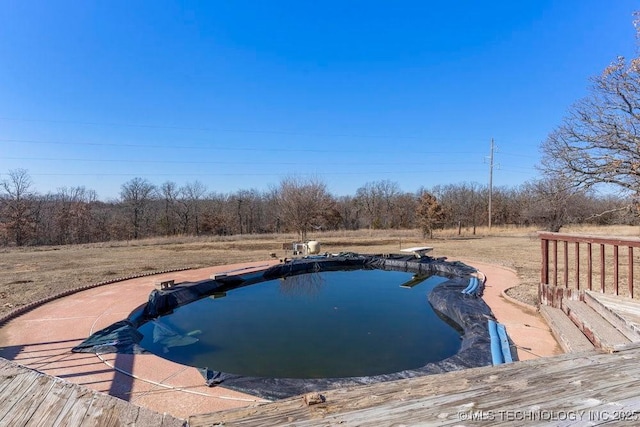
468,315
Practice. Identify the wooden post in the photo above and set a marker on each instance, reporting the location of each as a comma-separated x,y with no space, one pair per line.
615,270
565,246
577,254
555,263
590,267
602,273
630,271
544,273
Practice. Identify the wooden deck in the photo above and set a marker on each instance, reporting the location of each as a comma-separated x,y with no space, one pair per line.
589,388
31,398
622,312
570,338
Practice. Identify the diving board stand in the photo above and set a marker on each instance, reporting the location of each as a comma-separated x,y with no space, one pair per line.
418,251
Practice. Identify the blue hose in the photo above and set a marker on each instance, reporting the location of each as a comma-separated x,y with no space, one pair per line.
472,286
500,348
504,344
496,348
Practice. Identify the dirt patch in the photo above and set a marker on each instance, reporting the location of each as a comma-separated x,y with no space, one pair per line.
524,293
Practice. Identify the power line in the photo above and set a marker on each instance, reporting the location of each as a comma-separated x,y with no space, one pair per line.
238,173
520,170
529,156
226,130
212,162
222,148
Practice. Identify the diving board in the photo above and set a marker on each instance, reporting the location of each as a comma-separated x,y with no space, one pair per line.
418,251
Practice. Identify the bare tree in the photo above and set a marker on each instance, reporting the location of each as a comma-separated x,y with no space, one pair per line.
390,191
72,214
215,217
598,141
136,195
18,208
170,192
464,204
349,211
403,211
370,201
377,200
302,204
508,206
192,193
552,203
250,211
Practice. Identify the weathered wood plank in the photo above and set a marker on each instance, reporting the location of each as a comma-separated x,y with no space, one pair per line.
7,368
558,386
570,338
29,402
171,421
75,408
127,413
442,410
52,405
5,381
625,310
18,386
109,411
510,398
599,331
147,418
101,412
31,398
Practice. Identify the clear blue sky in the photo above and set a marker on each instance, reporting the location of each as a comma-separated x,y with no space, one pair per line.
240,94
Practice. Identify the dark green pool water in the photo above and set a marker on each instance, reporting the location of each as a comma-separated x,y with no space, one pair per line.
319,325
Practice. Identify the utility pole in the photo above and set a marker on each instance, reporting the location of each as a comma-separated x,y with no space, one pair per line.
490,181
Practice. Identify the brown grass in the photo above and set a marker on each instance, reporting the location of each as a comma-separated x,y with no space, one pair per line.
30,274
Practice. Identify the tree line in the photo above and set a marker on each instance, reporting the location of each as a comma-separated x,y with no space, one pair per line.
301,205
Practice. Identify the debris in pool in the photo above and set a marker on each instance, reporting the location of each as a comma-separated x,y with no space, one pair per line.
169,338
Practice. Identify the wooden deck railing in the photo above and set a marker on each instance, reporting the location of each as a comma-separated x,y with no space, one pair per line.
568,266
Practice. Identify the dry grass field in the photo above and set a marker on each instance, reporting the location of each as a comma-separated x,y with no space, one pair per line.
30,274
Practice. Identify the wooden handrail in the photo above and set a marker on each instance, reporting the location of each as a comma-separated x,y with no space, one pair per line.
585,238
609,256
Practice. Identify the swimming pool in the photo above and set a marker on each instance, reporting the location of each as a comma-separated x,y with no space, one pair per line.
327,324
434,288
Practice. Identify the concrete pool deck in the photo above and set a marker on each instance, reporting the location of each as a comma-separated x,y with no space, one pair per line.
42,339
